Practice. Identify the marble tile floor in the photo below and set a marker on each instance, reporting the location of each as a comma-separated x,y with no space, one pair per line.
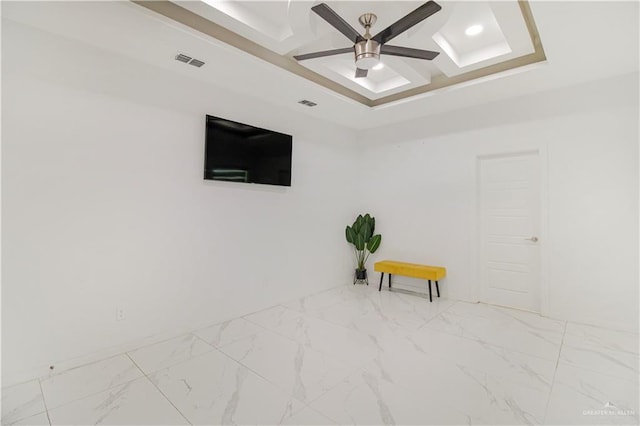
353,355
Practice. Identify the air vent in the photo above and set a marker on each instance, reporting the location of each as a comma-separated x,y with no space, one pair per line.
183,58
307,103
196,63
189,60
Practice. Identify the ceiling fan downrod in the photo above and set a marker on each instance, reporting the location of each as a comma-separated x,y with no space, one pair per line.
367,51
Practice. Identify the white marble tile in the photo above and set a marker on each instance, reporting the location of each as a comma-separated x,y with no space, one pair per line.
325,298
88,379
229,331
411,308
367,317
587,336
585,397
497,361
488,399
290,365
164,354
529,320
513,396
38,420
136,402
214,389
614,363
348,345
21,401
367,400
272,317
513,336
307,416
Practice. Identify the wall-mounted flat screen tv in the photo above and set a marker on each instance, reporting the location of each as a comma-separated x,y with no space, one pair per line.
237,152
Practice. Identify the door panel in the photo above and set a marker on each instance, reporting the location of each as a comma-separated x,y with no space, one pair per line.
509,217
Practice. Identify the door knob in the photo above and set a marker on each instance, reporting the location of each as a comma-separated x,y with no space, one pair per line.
534,239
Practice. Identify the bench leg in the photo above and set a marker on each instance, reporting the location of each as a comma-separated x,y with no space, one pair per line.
381,278
389,281
437,289
430,300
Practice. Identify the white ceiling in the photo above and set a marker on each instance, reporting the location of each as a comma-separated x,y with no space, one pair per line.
290,28
583,41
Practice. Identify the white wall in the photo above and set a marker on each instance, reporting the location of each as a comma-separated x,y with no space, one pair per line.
105,207
423,193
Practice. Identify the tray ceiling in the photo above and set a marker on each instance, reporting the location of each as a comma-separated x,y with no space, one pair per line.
275,31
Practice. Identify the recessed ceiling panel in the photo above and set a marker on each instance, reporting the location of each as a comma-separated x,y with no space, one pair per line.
469,39
472,34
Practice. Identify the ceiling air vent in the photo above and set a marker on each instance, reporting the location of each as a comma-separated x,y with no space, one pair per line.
183,58
196,63
307,103
189,60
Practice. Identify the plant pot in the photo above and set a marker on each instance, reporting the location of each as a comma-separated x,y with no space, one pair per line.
360,276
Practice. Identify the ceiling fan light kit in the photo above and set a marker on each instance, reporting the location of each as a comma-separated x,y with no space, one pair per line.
367,49
367,54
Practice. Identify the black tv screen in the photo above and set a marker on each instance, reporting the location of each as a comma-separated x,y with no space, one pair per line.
237,152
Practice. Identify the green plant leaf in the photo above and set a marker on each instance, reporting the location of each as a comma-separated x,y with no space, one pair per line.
374,243
366,231
360,242
350,235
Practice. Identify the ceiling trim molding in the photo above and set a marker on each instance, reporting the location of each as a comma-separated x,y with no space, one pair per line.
205,26
190,19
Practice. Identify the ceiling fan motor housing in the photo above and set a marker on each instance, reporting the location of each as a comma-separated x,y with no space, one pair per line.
367,54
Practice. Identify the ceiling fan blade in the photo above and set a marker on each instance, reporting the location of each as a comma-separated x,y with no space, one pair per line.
329,15
403,24
360,73
323,53
408,52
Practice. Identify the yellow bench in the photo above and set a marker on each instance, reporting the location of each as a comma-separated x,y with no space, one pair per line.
412,270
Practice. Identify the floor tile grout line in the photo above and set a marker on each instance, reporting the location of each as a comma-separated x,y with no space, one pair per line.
178,362
436,315
265,309
491,344
555,371
267,330
110,387
159,390
44,401
34,414
287,392
510,323
601,373
68,370
264,326
219,350
484,342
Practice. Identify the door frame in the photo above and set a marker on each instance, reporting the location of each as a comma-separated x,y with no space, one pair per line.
544,243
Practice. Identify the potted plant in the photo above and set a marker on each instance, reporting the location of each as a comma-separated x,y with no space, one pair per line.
361,235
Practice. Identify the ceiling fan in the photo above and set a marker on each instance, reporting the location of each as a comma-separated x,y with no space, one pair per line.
367,49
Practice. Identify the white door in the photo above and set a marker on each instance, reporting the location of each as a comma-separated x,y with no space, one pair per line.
509,218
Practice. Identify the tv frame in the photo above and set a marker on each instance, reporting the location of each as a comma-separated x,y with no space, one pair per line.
261,129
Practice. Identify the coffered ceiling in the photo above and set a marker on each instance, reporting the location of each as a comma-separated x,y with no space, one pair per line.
276,31
248,48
